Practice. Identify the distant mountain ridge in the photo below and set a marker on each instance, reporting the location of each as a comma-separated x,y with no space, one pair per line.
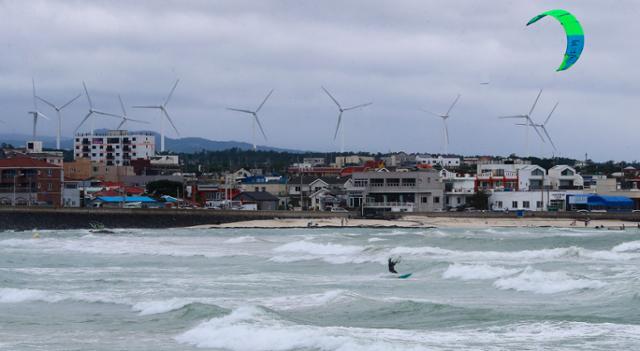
184,145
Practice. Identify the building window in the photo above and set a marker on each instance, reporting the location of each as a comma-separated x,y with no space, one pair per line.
436,199
499,204
525,204
459,200
298,189
424,199
255,189
264,188
514,204
49,172
539,204
49,186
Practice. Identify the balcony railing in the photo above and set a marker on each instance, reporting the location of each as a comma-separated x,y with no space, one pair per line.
389,204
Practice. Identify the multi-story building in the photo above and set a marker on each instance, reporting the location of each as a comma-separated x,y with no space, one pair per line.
458,188
115,147
384,191
443,161
27,181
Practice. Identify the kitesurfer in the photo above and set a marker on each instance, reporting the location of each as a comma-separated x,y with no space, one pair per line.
392,264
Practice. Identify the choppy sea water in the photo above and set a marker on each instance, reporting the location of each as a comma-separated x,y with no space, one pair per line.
320,289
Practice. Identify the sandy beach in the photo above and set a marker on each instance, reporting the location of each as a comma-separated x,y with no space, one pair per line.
421,222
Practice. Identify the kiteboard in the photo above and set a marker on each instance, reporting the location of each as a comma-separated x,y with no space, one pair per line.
404,276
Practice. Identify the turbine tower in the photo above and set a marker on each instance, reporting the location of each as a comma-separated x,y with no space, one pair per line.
92,111
255,120
164,114
341,111
543,126
58,109
445,129
528,122
35,113
126,118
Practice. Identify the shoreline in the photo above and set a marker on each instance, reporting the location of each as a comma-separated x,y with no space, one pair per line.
422,222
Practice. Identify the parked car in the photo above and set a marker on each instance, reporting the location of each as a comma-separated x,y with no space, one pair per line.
339,209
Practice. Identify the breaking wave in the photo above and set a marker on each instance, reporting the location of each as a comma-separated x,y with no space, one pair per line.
540,282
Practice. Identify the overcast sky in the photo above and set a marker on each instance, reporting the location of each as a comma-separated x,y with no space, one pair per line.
401,55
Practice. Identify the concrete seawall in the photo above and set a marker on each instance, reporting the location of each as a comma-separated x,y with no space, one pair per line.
48,218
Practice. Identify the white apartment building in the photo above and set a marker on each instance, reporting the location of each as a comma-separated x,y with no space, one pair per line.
115,147
457,188
451,162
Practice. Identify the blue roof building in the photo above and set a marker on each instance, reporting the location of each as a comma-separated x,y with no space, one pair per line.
600,202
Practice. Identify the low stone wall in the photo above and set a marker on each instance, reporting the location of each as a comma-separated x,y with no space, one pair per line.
621,216
48,218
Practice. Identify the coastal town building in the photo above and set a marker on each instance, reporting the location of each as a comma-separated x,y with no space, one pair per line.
25,181
385,191
114,147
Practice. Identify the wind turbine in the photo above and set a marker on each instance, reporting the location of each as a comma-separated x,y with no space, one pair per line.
529,122
543,126
92,111
445,129
58,109
165,114
342,110
124,116
255,120
35,113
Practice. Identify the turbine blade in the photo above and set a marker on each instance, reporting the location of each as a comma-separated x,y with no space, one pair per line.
265,100
102,113
136,120
549,117
452,105
83,120
239,110
332,98
357,106
124,112
548,137
260,126
515,116
535,127
146,106
535,102
166,114
121,124
335,135
87,92
70,102
171,93
46,102
433,113
42,115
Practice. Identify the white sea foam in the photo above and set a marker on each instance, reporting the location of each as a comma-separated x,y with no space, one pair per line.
563,253
11,295
125,245
631,246
251,328
541,282
241,240
477,272
319,249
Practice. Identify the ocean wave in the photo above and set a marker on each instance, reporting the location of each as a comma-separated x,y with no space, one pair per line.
125,245
477,272
14,295
255,328
524,255
241,240
631,246
541,282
